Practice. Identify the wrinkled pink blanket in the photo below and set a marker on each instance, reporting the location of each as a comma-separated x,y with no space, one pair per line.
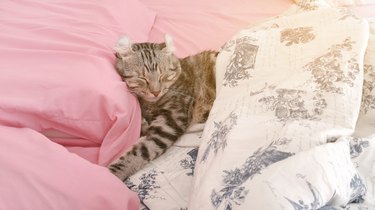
57,75
39,174
63,108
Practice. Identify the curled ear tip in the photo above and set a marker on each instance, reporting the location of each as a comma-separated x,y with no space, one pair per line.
124,38
123,46
168,39
167,36
169,43
123,42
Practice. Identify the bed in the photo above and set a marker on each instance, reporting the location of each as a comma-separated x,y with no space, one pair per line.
292,126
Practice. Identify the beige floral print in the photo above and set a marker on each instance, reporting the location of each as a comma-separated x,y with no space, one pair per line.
289,104
330,71
266,87
368,98
242,60
297,35
308,5
346,13
232,43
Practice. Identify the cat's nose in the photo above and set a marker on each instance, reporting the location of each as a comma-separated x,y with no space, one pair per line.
155,93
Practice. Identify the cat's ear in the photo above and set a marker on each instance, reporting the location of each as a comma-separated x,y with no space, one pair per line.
169,44
123,47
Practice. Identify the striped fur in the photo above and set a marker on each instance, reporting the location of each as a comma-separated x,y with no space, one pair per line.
173,93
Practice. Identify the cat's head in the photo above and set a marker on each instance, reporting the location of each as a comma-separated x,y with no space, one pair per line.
148,69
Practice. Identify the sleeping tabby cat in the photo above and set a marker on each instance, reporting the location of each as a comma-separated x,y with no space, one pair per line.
174,94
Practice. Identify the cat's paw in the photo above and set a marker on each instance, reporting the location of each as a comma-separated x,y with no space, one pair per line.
128,164
120,168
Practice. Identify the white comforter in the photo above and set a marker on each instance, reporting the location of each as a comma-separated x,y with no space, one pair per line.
280,134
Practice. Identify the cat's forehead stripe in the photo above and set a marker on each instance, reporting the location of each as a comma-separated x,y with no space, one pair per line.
146,61
155,66
147,67
149,60
148,54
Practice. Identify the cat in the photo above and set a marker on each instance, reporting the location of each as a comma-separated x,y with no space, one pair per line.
173,93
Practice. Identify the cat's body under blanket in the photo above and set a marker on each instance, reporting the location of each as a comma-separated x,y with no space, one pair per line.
174,94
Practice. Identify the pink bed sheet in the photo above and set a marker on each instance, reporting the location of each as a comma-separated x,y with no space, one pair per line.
57,73
202,25
37,174
366,11
61,99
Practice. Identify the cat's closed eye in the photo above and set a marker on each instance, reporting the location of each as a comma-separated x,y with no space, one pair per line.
142,80
127,76
136,82
132,84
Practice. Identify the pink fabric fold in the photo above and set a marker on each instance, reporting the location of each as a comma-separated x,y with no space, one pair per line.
57,74
39,174
202,25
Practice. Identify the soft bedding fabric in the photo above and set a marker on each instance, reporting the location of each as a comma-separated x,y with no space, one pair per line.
289,98
207,24
58,85
364,136
57,75
38,174
349,2
366,120
166,183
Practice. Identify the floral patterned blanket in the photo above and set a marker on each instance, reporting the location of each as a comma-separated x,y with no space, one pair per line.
283,131
166,183
293,125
